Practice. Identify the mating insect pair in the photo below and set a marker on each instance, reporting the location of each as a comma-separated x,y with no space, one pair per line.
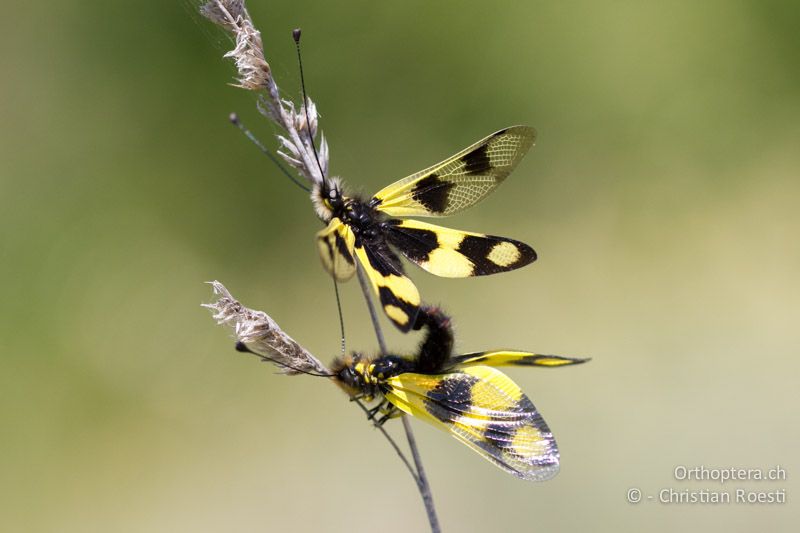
462,394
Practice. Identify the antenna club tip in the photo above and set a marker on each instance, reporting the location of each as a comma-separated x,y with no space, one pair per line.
296,34
234,118
242,347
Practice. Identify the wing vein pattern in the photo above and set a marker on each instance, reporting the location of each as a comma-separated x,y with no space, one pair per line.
460,181
483,408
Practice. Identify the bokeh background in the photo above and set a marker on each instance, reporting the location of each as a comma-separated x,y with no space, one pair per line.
662,198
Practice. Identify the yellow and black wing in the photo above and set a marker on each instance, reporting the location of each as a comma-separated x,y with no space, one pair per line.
481,407
512,358
398,294
335,244
453,253
459,181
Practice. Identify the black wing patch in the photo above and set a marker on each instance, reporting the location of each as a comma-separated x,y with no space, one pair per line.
511,358
433,193
453,253
398,295
484,409
459,181
478,162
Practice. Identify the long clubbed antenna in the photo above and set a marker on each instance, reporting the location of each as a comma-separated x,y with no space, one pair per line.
296,36
234,118
254,74
341,316
296,33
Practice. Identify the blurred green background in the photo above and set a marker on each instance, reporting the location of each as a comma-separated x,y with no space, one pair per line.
662,199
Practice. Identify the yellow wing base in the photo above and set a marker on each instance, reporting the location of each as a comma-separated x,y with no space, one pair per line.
335,244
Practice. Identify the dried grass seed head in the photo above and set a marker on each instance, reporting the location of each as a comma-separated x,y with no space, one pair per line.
262,335
248,55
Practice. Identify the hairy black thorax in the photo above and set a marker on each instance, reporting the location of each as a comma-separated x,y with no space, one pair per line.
365,221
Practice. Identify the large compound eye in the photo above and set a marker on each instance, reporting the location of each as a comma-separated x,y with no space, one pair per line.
349,377
334,198
329,197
